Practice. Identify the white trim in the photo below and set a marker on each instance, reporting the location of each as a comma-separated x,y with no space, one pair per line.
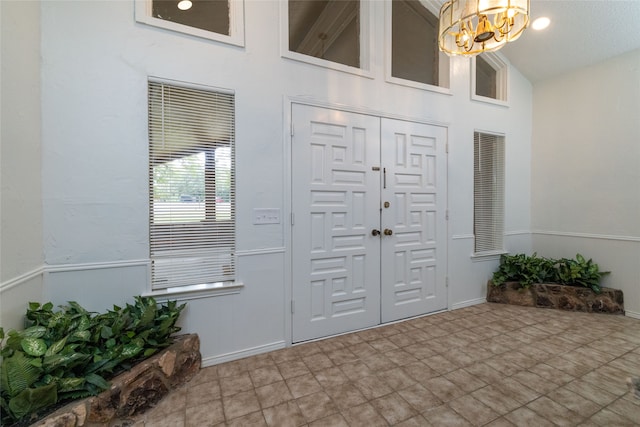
143,15
517,233
462,236
190,85
186,293
265,251
25,277
487,256
360,110
632,314
587,235
468,303
366,42
235,355
96,265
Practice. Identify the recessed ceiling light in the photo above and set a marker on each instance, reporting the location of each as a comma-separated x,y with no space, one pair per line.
541,23
184,5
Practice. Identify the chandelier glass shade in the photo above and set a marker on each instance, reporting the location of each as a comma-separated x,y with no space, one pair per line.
470,27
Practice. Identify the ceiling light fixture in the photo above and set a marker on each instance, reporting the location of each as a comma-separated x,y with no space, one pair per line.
470,27
541,23
184,5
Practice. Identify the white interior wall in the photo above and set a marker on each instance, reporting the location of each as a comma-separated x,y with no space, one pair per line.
586,170
21,254
95,64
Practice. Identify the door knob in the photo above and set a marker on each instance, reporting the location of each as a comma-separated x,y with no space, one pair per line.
375,232
387,232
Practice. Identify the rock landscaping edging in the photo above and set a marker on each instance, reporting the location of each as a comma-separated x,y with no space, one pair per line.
133,392
563,297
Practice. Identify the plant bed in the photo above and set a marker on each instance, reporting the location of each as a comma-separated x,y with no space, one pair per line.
552,295
135,391
566,284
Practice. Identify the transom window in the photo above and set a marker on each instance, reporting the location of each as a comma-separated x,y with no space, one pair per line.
489,78
220,20
414,45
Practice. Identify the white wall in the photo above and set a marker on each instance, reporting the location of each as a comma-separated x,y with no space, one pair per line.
21,254
95,64
586,170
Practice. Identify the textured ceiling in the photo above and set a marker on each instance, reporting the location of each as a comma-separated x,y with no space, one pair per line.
582,32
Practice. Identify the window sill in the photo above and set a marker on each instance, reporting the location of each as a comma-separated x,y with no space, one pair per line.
196,291
487,256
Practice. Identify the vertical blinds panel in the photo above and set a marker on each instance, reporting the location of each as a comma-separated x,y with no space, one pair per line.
488,192
191,185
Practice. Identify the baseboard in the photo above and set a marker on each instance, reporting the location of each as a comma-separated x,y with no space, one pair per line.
228,357
468,303
632,314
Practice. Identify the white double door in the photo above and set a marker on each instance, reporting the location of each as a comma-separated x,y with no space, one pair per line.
369,226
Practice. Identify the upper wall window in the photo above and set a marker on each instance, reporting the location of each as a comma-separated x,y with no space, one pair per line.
331,33
489,78
414,53
221,20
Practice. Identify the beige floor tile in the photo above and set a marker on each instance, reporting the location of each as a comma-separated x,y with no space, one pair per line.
378,362
201,393
393,408
444,416
574,401
235,384
525,417
335,420
362,350
331,377
534,382
317,362
240,404
207,414
420,397
254,419
372,387
554,412
205,375
316,406
416,421
474,411
607,418
500,422
466,381
401,357
627,409
419,351
552,374
293,368
172,419
230,369
303,385
273,394
265,375
420,372
345,396
356,370
440,364
383,345
516,390
397,378
495,399
484,372
443,388
591,392
341,356
284,415
363,415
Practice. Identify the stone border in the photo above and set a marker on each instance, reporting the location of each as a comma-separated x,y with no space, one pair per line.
551,295
134,391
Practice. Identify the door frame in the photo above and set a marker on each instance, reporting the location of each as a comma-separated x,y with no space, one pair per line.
287,122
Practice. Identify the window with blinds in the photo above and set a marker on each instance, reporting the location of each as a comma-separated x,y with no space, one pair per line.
488,192
191,185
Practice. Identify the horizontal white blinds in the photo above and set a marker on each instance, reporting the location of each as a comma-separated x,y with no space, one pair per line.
488,192
191,185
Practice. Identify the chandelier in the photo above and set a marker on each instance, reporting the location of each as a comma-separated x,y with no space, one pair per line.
470,27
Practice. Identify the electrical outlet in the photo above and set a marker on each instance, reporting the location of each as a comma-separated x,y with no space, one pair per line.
266,216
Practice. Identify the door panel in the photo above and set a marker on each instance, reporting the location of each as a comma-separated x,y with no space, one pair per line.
351,174
414,255
335,202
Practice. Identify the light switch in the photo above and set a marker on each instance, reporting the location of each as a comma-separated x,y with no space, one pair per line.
266,216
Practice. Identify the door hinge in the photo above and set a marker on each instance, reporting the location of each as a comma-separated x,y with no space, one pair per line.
446,281
292,218
446,147
446,215
293,306
292,129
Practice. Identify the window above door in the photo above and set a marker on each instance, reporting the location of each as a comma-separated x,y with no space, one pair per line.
219,20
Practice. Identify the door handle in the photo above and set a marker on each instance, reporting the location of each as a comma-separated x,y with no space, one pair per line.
387,232
375,232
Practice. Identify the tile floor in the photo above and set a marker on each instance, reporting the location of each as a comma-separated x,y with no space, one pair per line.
485,365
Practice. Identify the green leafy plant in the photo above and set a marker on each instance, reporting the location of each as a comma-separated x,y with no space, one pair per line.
71,353
533,269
